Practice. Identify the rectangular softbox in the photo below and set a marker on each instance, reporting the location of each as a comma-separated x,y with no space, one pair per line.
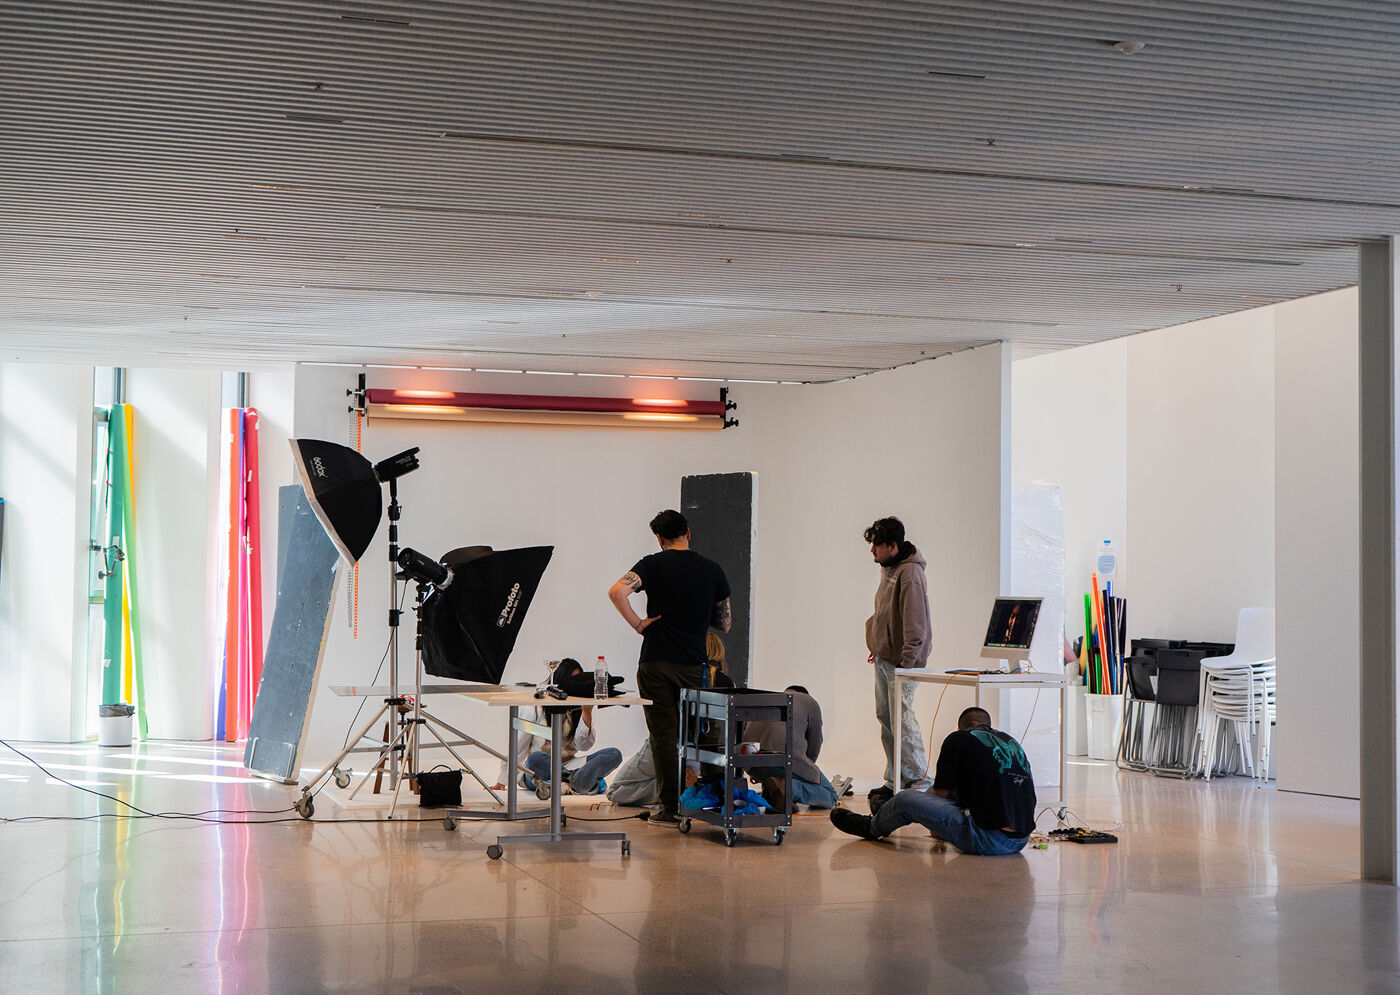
469,626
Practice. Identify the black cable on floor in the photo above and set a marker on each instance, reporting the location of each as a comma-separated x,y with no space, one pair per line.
141,812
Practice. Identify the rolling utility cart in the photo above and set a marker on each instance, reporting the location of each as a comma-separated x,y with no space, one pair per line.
711,732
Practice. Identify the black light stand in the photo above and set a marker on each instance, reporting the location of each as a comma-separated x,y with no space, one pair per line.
423,720
394,467
404,742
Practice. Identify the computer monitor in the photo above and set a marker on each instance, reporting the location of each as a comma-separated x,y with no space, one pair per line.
1011,629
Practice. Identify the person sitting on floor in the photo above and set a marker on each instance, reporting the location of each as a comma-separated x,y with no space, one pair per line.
810,786
982,800
582,775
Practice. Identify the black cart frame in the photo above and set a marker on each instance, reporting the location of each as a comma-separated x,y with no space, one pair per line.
703,709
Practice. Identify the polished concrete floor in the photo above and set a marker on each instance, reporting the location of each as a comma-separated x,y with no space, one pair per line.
1213,887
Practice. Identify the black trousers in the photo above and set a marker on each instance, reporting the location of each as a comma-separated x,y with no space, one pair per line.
662,683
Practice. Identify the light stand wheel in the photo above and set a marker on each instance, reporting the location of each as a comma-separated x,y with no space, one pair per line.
342,778
627,848
305,807
494,851
449,823
542,790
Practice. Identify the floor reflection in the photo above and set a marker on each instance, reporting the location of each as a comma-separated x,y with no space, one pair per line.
1211,885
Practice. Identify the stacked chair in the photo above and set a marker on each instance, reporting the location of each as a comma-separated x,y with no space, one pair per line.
1160,714
1235,716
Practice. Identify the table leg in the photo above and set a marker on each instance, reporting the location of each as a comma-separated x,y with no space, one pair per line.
556,772
514,765
898,719
1064,702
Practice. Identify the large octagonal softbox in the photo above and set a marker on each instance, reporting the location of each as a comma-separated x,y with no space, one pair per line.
343,490
469,627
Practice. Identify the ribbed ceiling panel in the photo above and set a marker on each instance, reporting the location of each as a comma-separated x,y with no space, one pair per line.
785,191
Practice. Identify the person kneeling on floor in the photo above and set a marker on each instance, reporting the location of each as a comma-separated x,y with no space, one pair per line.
982,800
810,786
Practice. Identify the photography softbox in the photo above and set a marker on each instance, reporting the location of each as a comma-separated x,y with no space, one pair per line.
343,490
469,627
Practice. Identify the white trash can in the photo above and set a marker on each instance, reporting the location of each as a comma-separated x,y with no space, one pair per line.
1076,725
114,724
1105,724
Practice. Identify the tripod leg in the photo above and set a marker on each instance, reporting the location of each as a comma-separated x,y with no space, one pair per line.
410,745
311,784
466,767
385,753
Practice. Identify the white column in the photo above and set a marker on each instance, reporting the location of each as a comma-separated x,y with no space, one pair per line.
1379,748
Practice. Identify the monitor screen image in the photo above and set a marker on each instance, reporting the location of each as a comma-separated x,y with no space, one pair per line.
1011,628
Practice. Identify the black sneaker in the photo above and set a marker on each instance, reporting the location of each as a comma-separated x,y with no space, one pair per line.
877,797
664,819
851,822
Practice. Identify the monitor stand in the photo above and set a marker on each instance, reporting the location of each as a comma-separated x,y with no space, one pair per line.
997,664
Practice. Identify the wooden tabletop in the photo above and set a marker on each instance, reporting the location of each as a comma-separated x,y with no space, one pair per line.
526,696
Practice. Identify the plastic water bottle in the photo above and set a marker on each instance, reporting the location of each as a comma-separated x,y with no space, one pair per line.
1107,565
600,679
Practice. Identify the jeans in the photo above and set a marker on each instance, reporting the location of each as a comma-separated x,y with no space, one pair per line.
818,795
912,745
946,818
583,780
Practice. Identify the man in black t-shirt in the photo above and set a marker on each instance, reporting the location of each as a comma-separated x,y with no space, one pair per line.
982,801
686,595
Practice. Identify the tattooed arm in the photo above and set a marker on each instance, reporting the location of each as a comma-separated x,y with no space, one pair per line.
720,616
623,589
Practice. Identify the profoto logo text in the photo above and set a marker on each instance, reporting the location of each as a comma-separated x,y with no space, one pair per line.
508,612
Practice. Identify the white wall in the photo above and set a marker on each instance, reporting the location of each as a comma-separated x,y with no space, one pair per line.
1200,475
920,442
1239,488
45,453
1070,427
1317,524
589,493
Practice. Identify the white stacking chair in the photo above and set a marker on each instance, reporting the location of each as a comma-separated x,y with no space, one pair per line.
1236,711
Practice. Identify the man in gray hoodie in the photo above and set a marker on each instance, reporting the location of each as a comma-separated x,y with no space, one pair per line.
897,635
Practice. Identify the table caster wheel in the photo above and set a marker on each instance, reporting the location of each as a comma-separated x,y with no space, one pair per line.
731,836
342,778
494,851
542,790
305,807
683,825
779,834
449,823
626,848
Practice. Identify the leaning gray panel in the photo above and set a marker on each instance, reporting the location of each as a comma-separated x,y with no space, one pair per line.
292,665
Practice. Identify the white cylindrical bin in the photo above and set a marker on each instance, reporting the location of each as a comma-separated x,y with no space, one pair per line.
114,724
1076,729
1105,724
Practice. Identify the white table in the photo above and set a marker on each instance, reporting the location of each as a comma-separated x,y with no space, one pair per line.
977,681
525,698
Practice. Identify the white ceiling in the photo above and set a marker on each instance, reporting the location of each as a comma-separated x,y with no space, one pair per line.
796,191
